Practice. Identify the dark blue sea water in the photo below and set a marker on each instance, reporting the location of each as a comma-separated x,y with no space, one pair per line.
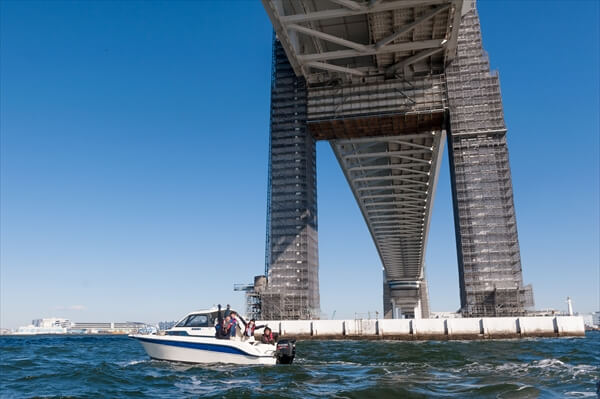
117,367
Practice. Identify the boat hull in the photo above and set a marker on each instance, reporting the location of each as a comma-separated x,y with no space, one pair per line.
205,350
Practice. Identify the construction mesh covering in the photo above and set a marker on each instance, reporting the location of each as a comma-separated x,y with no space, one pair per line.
292,254
486,231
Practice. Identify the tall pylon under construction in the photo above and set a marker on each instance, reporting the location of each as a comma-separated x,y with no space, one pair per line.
489,260
292,261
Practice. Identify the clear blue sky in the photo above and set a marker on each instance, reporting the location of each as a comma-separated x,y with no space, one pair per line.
134,155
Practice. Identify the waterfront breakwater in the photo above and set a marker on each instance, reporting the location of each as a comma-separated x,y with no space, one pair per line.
430,329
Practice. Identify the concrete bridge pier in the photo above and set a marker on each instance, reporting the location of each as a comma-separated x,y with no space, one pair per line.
406,299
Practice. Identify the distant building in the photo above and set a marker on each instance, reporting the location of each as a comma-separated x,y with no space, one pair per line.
55,325
51,322
91,327
52,325
107,327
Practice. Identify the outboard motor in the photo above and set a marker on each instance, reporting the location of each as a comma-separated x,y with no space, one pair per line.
286,351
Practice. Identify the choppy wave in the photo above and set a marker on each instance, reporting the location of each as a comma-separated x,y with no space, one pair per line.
117,367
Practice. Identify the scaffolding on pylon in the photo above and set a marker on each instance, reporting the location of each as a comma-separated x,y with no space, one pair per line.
486,229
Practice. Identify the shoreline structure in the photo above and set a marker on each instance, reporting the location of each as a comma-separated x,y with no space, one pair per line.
475,328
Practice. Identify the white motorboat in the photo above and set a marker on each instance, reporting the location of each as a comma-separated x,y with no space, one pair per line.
193,340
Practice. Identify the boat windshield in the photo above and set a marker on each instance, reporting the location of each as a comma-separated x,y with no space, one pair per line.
197,320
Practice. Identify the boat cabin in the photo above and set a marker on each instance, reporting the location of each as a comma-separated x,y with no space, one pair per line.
198,323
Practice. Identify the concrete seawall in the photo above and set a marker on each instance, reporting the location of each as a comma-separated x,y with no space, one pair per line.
430,329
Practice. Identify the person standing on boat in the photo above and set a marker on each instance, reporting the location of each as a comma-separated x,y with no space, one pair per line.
250,327
233,323
222,326
226,327
247,327
219,323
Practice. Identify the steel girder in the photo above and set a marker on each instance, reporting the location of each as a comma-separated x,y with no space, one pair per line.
352,39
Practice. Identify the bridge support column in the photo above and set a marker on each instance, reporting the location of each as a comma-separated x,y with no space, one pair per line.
292,263
489,261
402,299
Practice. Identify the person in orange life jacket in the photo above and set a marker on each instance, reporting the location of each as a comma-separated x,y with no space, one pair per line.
267,337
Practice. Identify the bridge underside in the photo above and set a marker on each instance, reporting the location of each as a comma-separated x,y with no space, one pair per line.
376,91
347,40
390,158
388,137
393,179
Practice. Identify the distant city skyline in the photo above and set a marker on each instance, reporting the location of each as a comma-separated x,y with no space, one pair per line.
134,145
